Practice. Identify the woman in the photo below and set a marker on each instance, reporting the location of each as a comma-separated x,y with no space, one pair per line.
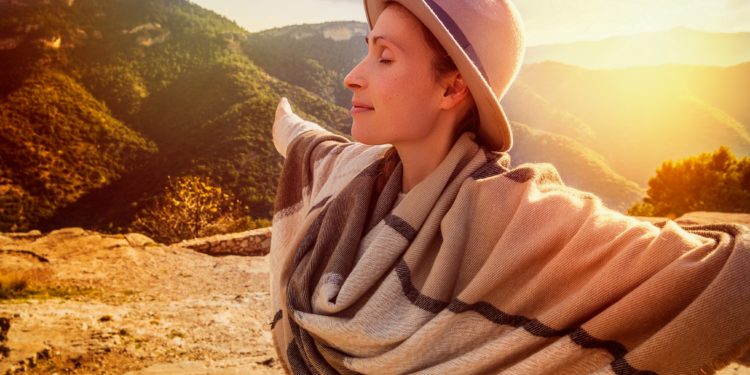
418,249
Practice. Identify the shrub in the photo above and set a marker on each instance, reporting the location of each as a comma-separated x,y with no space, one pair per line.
192,206
13,285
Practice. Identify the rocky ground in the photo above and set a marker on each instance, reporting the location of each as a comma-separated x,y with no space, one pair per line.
123,304
113,304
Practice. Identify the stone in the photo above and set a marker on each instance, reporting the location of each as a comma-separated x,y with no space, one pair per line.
139,240
178,341
68,232
30,235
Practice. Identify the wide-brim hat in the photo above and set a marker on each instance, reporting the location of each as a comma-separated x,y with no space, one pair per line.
485,40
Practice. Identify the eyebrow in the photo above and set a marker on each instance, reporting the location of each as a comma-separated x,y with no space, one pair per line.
377,38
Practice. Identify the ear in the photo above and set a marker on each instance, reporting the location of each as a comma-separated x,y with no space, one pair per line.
455,90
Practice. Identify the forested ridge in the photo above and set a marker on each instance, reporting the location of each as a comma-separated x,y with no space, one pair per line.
102,101
606,130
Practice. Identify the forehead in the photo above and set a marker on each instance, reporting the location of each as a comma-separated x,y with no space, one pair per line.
398,26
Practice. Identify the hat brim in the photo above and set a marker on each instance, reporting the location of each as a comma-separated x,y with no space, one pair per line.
494,129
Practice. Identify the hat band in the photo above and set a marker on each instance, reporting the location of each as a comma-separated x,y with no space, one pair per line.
457,34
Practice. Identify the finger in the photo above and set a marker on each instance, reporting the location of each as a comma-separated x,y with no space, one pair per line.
284,105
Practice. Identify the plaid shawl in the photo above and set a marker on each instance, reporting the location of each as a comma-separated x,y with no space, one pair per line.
484,269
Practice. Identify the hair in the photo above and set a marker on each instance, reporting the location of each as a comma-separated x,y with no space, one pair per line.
441,64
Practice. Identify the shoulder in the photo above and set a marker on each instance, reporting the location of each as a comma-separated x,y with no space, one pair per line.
532,193
325,163
497,172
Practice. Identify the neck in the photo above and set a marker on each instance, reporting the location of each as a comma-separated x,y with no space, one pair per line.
421,157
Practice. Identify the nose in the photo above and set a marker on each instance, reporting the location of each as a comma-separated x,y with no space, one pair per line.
354,79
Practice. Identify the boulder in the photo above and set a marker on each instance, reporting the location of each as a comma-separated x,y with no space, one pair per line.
139,240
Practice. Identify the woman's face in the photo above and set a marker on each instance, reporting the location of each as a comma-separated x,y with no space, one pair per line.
395,96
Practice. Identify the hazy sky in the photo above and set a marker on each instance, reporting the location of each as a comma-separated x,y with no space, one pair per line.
546,21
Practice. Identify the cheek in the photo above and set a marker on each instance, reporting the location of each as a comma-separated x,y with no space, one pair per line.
409,92
411,104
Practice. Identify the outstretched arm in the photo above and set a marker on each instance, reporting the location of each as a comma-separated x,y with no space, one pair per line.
287,126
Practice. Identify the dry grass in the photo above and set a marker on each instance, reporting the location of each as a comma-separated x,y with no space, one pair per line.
34,283
14,284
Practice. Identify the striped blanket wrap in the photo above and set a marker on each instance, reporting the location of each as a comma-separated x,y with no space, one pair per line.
485,269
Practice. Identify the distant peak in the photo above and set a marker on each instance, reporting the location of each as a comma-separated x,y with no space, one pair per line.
335,30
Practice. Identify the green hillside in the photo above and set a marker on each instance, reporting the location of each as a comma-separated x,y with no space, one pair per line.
316,57
103,101
156,88
579,166
291,46
522,104
57,142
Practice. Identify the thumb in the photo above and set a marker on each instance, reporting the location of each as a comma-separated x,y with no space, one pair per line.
282,109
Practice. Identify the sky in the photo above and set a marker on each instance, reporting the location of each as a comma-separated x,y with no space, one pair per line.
545,21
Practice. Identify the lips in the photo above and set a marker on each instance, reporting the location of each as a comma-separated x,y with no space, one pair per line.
359,107
358,104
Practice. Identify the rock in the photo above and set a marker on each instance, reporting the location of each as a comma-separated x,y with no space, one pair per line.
30,235
68,232
178,341
113,243
4,328
267,362
139,240
4,351
44,354
266,243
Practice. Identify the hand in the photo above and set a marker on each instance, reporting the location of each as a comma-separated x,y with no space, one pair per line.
283,109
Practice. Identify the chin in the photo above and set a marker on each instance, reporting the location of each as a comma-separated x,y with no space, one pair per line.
366,135
362,137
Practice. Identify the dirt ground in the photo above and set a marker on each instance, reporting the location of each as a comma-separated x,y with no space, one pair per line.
128,305
114,304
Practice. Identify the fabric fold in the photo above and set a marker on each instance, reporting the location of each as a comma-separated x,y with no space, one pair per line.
484,268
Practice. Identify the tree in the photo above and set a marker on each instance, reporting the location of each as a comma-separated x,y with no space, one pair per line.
190,207
707,182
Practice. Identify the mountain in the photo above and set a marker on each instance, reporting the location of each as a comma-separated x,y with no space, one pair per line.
56,143
525,105
579,166
103,100
641,116
676,46
632,119
316,57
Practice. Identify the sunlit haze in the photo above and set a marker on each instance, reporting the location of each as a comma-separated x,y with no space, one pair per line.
546,21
